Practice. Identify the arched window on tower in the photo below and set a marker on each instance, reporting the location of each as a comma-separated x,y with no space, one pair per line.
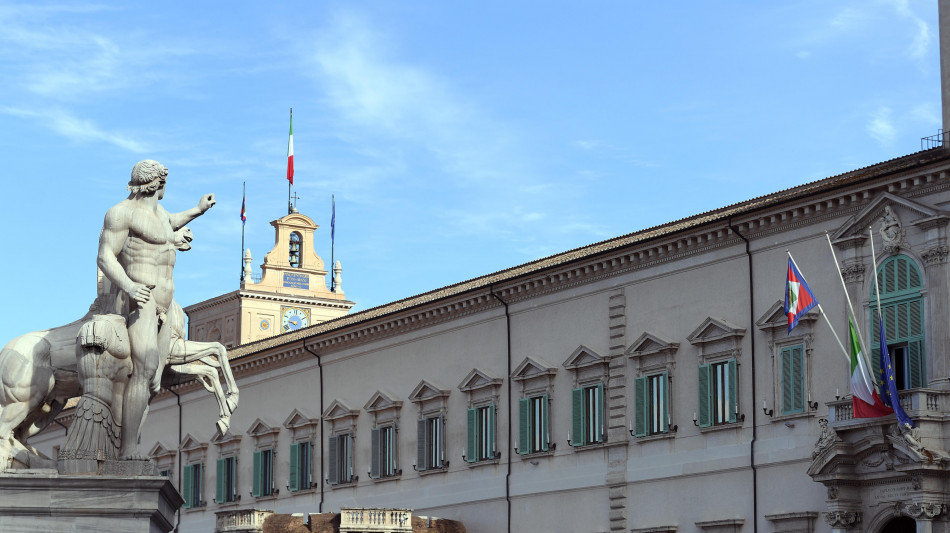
295,244
903,310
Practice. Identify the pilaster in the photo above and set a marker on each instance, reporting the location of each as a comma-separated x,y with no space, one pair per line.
617,412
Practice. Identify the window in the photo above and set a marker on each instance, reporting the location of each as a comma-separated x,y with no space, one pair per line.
652,399
481,434
299,466
295,242
793,379
383,449
718,393
429,444
263,483
903,311
165,473
533,425
587,422
226,479
341,459
191,486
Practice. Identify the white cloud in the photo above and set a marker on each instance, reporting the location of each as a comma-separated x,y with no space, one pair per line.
881,127
78,129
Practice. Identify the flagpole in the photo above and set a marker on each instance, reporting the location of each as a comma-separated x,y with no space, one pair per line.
243,200
289,182
822,312
877,286
332,243
854,318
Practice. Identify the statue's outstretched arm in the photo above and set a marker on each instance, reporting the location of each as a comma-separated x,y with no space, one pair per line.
178,220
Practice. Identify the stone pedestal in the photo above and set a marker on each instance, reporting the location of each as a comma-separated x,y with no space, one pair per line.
45,501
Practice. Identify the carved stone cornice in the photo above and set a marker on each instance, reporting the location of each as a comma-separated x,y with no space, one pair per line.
924,511
842,519
853,273
935,255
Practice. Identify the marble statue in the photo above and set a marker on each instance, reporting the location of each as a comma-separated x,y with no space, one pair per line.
116,357
892,233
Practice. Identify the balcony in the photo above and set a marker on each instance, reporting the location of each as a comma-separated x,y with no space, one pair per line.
367,520
919,404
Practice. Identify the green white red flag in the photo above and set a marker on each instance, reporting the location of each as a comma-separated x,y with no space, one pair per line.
864,397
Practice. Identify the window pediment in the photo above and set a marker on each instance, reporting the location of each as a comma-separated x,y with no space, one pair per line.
298,419
227,439
857,226
650,344
476,380
159,452
715,329
533,367
426,390
381,401
260,428
584,357
775,318
191,444
338,410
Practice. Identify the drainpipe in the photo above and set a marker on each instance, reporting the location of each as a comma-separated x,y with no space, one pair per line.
509,446
178,460
755,485
320,372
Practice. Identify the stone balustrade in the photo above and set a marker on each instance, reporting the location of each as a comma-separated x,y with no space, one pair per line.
917,403
240,521
359,519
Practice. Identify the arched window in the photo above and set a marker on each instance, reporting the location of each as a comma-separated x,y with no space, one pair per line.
903,309
295,242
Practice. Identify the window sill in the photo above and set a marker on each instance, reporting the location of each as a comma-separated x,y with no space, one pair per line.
342,485
591,446
535,455
196,509
306,490
792,416
658,436
385,479
483,462
431,471
722,427
265,498
228,504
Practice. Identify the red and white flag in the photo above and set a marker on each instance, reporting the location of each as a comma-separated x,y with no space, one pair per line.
290,152
864,397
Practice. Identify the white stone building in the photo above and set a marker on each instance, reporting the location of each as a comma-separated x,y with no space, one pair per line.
643,383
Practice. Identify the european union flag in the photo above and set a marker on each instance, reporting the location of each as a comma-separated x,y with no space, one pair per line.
889,393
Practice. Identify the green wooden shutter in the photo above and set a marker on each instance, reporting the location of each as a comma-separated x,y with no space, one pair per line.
915,362
188,488
472,418
578,427
793,380
220,481
376,453
491,431
641,400
664,408
421,445
257,482
705,396
333,458
524,426
732,399
544,423
601,405
294,484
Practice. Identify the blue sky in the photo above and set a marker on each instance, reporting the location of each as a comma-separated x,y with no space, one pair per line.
459,138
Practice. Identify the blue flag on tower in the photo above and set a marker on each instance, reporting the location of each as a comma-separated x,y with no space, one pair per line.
889,393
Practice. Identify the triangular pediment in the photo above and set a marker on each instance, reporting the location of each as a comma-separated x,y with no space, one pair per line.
159,451
298,419
476,379
775,317
649,344
584,357
259,428
426,390
337,410
907,210
191,443
227,438
532,367
714,329
381,401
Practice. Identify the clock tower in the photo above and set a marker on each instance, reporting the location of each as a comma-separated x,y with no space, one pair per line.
291,293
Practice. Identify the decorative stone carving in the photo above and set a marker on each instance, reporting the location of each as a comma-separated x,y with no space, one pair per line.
919,510
826,439
832,492
891,231
935,255
842,519
906,439
853,273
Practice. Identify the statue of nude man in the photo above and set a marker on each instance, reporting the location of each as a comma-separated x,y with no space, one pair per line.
137,254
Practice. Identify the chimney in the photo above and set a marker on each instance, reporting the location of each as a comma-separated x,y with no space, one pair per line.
943,21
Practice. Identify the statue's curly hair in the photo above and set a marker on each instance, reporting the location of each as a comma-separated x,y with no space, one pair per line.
147,177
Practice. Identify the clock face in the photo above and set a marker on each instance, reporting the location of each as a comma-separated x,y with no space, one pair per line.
295,318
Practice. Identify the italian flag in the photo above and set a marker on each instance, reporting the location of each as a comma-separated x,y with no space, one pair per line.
864,397
290,152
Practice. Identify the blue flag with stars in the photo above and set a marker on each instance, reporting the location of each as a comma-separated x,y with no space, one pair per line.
889,393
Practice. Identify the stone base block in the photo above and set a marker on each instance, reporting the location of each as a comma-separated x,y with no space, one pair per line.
45,501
